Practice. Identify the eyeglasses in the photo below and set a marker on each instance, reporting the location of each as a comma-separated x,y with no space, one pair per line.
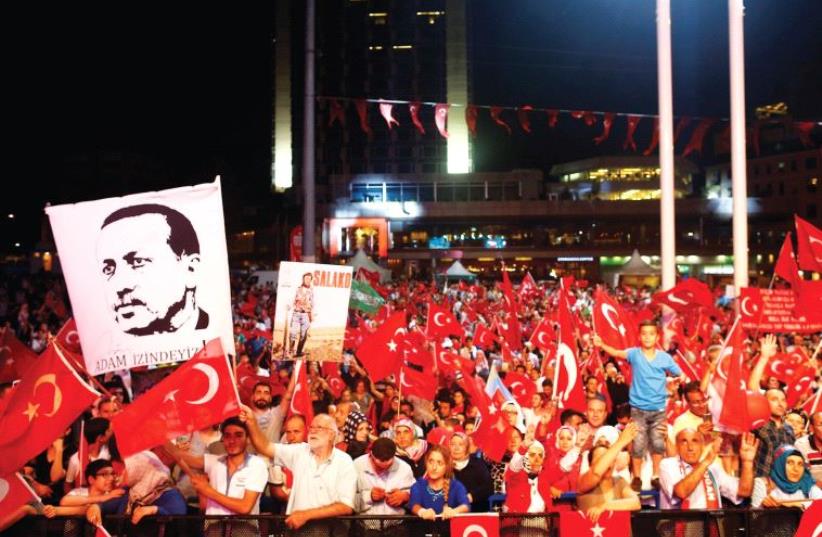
316,428
106,473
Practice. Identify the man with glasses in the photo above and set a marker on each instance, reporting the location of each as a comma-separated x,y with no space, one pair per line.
697,417
325,479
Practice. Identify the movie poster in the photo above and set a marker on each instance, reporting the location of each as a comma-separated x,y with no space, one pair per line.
311,313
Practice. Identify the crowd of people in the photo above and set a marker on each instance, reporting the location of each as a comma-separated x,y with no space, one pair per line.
372,449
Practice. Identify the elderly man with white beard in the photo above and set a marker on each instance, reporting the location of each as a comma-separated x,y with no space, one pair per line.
325,479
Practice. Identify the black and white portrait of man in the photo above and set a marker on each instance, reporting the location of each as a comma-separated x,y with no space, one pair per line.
148,256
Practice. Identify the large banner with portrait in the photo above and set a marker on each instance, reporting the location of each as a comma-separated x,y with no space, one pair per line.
147,275
312,309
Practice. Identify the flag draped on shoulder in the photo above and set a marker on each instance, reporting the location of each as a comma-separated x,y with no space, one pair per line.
201,392
49,399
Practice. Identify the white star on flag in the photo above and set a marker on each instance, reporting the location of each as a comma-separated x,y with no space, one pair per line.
597,530
492,410
392,346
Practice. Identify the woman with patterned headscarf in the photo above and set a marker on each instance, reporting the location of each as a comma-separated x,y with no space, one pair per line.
789,484
410,448
356,432
563,461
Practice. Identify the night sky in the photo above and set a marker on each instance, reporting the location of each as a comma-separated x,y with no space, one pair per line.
190,89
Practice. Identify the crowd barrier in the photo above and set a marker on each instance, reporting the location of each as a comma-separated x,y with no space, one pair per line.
777,522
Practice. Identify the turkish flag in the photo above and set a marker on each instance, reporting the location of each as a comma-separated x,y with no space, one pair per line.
809,300
809,243
734,414
688,294
442,322
568,383
786,267
784,365
48,400
14,492
301,398
381,352
331,374
811,521
522,388
483,524
812,405
201,392
492,431
413,382
612,323
483,337
69,337
15,357
529,286
609,524
800,384
543,335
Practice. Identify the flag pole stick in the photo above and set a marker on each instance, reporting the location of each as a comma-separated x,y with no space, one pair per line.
80,367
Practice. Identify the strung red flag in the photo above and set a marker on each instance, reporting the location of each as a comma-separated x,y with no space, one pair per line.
471,114
654,139
553,118
362,112
387,111
201,392
698,137
496,116
414,110
524,120
336,113
43,405
633,123
607,122
441,118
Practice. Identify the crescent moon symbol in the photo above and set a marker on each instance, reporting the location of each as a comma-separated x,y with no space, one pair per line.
606,308
675,299
817,532
476,528
518,383
564,352
436,322
50,378
443,359
4,489
745,310
725,353
812,240
73,337
213,384
540,340
402,379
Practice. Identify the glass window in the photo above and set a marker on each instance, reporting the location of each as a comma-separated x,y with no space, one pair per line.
511,191
494,191
393,192
426,192
445,192
409,192
358,193
477,192
374,192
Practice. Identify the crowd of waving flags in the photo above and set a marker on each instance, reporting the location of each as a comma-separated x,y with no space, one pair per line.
54,389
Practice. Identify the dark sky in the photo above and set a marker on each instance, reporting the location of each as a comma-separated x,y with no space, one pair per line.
190,87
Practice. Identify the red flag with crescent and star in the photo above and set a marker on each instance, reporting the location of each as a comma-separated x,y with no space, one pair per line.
611,323
414,382
543,335
811,523
609,524
15,357
69,337
686,295
483,337
809,245
44,403
568,379
442,323
492,431
521,387
201,392
301,399
786,267
14,492
381,353
475,525
734,413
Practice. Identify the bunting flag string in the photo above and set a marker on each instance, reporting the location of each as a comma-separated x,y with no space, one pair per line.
525,114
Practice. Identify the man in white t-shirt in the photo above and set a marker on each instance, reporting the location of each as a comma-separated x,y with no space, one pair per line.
233,482
97,432
325,480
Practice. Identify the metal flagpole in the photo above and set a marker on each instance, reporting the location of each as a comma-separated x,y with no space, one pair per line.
667,220
736,13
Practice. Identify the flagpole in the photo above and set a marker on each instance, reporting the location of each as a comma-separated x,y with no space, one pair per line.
724,344
80,367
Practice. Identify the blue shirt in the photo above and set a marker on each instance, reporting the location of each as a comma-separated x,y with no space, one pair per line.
420,495
648,379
